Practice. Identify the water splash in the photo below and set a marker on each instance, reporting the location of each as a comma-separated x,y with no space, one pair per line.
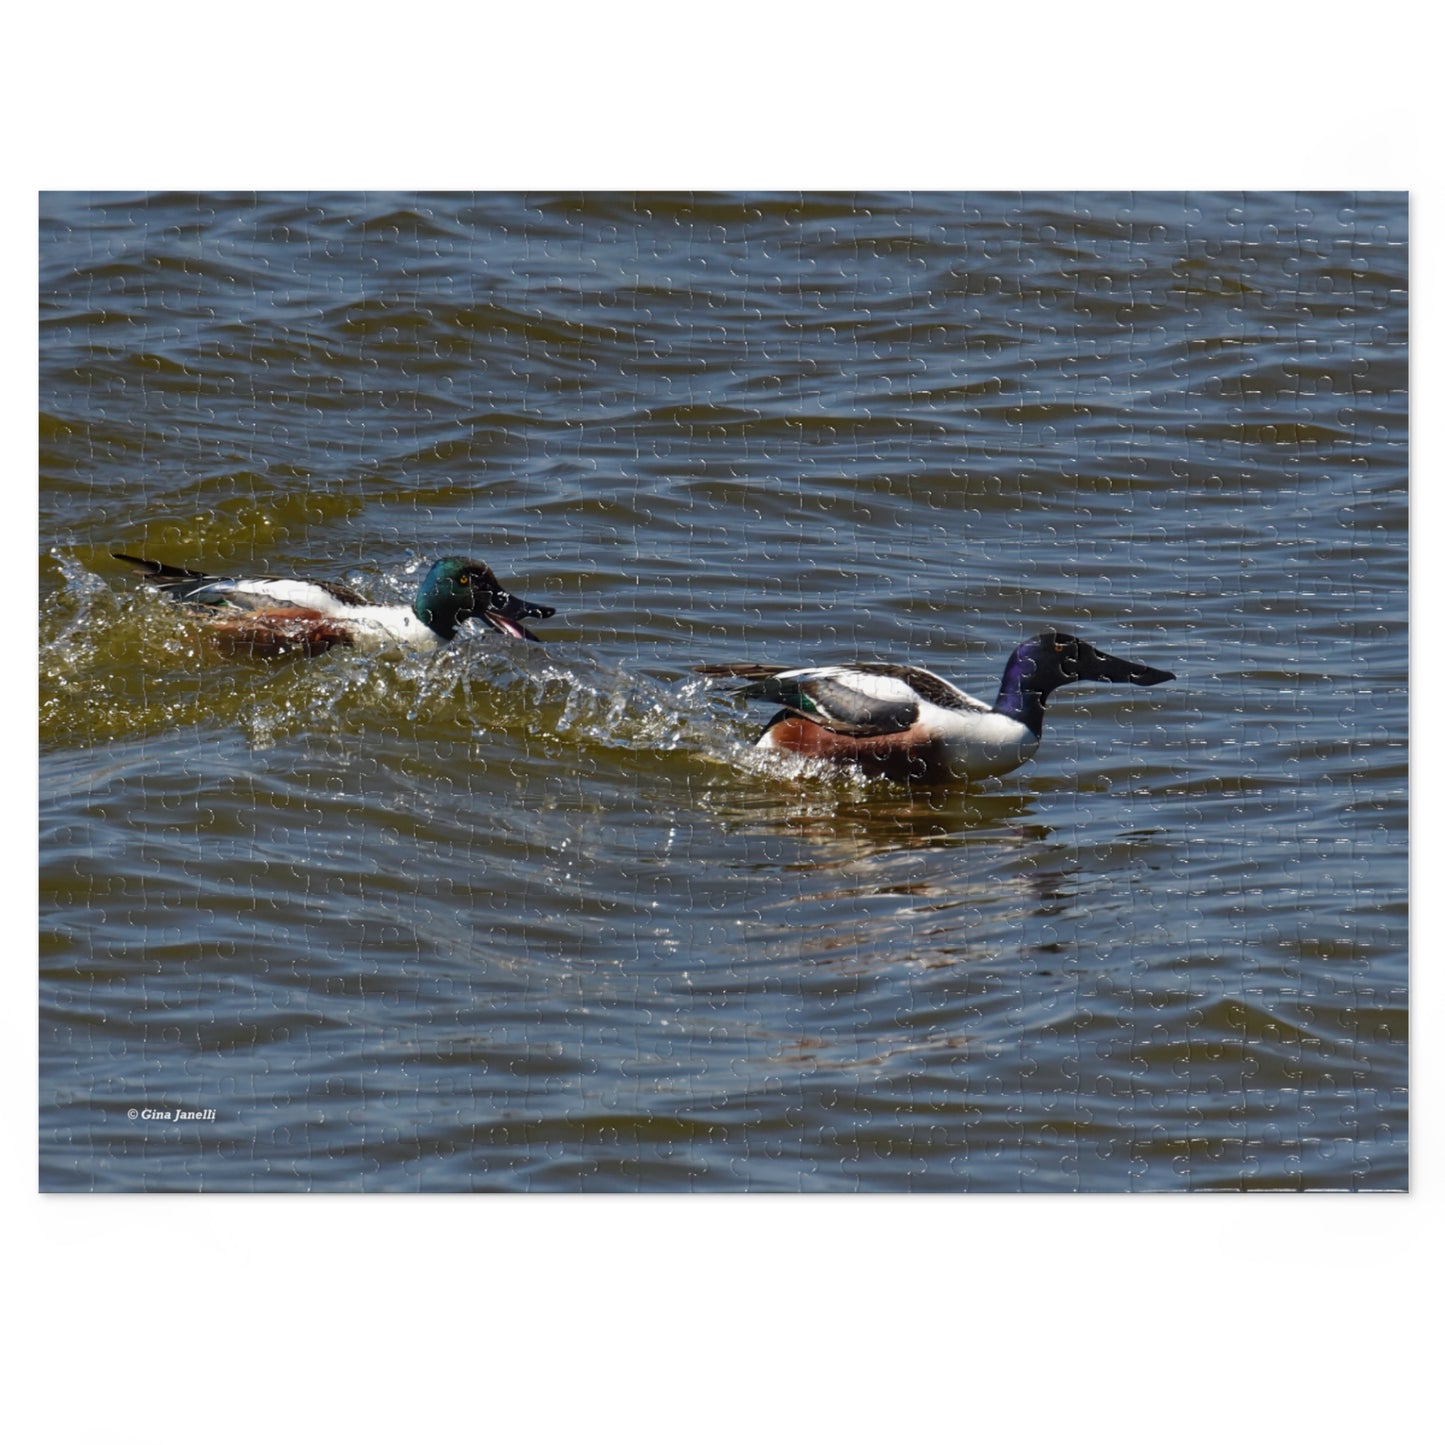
120,663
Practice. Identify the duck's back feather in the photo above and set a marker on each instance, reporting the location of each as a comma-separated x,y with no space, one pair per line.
247,593
863,699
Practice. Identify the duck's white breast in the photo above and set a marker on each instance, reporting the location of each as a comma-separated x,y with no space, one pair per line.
979,744
381,627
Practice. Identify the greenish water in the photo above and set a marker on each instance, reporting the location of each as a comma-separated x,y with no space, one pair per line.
537,918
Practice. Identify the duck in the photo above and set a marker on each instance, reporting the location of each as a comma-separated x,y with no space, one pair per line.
910,724
274,616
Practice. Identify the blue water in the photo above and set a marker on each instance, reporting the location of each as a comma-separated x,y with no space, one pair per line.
538,918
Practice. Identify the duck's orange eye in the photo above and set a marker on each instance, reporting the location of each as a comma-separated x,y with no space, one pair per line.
465,579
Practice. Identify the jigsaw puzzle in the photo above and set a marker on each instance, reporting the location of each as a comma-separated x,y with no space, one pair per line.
548,692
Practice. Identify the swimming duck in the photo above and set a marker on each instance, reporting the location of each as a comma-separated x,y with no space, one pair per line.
906,722
270,616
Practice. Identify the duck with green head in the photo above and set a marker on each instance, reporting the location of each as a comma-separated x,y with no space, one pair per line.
272,616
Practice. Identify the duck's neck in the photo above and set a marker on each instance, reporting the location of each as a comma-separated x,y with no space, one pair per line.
1019,695
439,615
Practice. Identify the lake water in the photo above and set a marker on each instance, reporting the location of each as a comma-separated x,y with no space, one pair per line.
538,918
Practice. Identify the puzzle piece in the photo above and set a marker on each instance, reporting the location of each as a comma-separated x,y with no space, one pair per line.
494,911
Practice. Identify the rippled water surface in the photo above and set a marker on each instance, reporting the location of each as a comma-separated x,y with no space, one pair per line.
514,917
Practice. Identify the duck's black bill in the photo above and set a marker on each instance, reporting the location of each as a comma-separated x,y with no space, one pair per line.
515,608
1103,668
507,615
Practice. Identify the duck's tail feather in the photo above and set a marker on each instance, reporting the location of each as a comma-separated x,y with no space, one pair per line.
748,671
160,574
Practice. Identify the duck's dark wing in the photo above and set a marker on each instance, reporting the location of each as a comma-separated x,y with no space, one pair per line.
862,700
